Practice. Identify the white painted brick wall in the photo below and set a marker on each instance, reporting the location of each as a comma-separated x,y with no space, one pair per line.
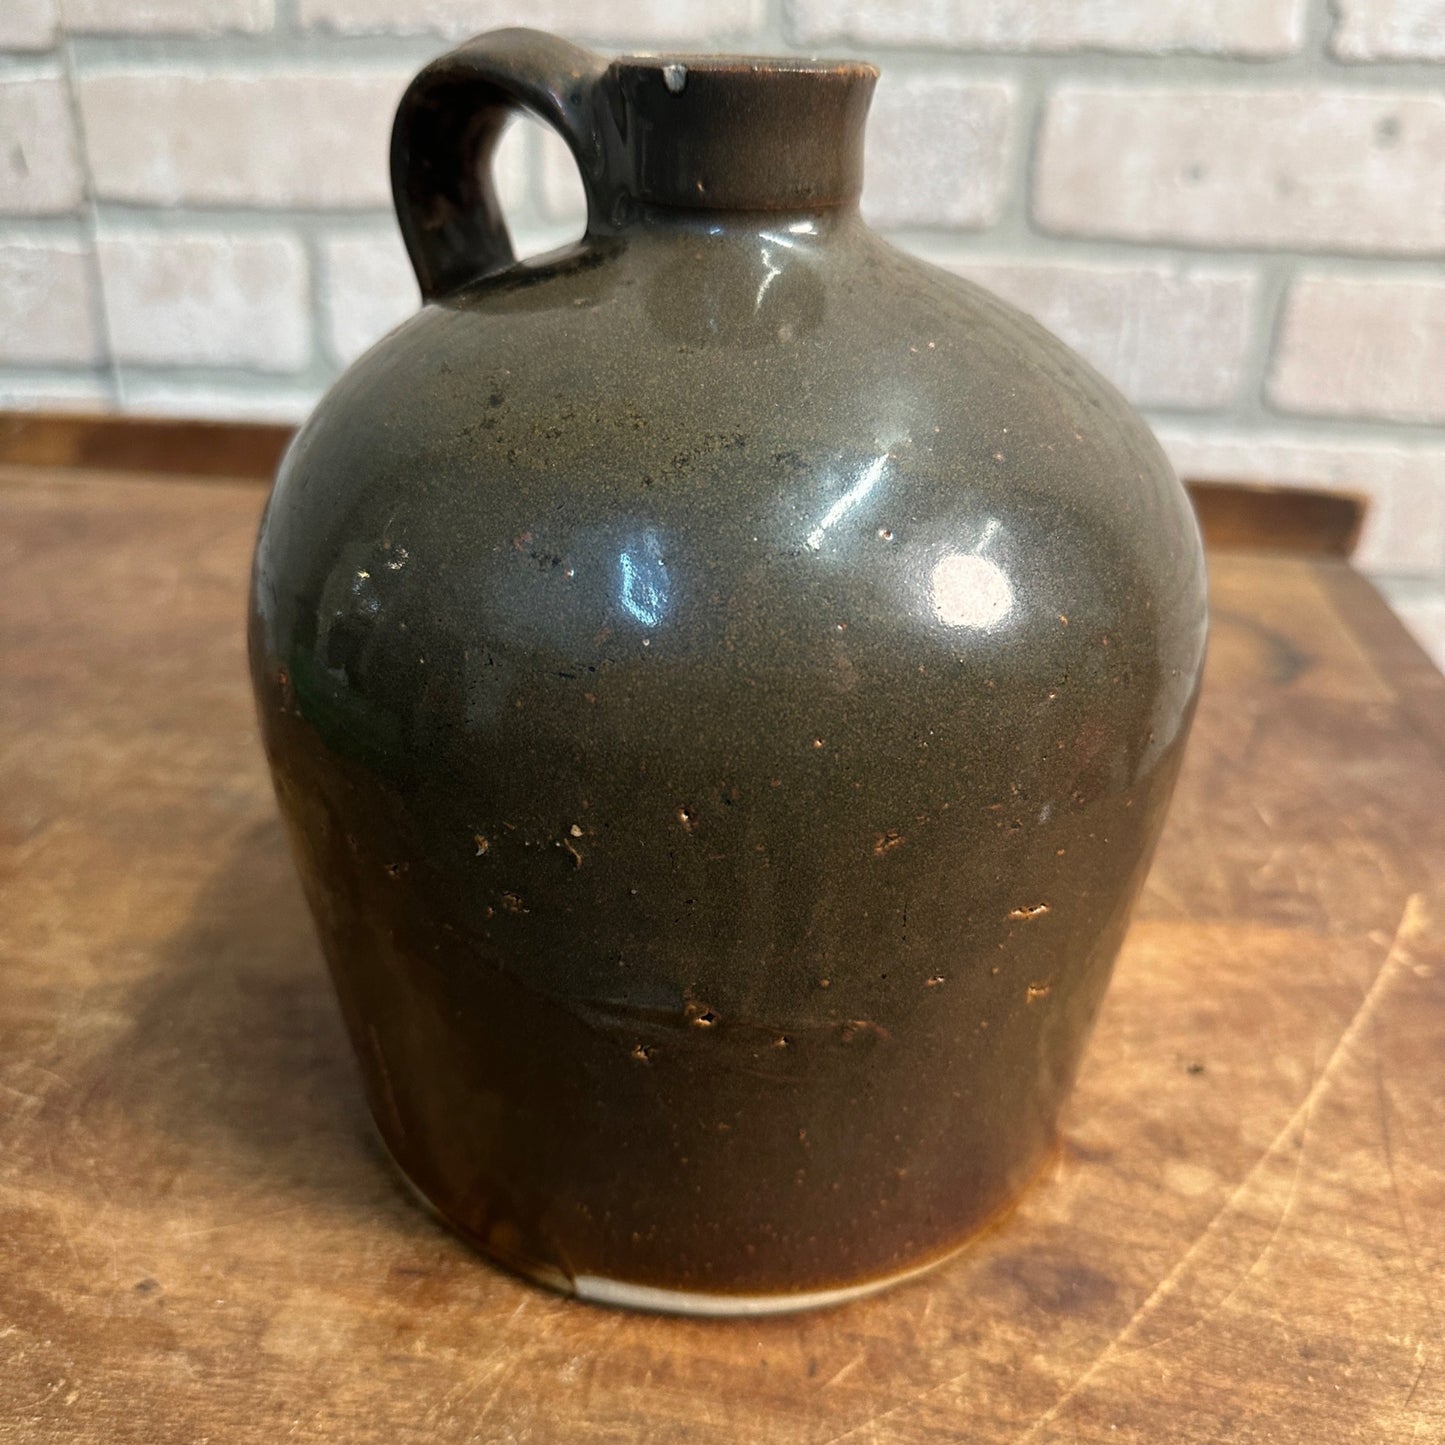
1362,347
312,138
366,289
1389,29
167,17
1309,169
148,395
643,23
207,300
561,187
1165,335
936,153
40,172
27,25
47,304
1214,27
1235,208
47,390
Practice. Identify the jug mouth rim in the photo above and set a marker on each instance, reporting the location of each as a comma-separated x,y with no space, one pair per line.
748,64
739,132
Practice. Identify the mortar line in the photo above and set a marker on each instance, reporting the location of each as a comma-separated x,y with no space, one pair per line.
100,313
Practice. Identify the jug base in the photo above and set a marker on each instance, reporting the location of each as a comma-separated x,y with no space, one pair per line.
654,1299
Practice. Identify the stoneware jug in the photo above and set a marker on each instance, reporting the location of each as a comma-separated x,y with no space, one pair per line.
723,681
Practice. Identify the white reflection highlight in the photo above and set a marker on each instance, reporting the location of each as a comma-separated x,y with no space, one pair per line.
773,273
870,478
970,591
644,587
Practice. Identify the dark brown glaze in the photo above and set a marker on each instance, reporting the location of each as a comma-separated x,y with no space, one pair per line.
724,682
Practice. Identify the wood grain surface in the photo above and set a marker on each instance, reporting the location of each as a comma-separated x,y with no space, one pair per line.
1243,1237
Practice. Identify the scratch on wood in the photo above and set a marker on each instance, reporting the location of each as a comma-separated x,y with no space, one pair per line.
204,1229
34,1100
1260,1254
1421,1277
1162,890
1415,1385
845,1371
495,1369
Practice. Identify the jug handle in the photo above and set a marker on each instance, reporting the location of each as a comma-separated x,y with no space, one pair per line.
446,130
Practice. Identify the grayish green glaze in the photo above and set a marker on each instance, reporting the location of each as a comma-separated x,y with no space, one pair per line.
724,682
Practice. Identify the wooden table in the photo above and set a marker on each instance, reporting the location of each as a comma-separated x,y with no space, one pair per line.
1243,1238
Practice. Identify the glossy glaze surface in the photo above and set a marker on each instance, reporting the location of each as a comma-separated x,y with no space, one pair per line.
724,682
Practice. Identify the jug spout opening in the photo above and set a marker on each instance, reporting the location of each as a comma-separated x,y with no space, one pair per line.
711,132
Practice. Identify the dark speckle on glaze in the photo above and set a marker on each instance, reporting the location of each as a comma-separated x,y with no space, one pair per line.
724,681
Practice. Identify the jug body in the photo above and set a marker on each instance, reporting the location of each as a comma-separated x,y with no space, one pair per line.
723,682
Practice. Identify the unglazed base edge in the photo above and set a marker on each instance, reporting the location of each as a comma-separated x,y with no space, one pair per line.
723,1306
622,1294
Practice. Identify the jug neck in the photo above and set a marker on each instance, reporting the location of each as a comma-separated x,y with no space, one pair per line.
728,134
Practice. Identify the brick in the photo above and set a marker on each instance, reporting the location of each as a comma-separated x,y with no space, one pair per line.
512,164
152,396
1351,346
367,287
1404,482
561,187
1214,27
646,22
175,299
27,24
536,238
1316,169
936,151
32,391
47,310
40,170
1389,30
305,138
1172,336
167,17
